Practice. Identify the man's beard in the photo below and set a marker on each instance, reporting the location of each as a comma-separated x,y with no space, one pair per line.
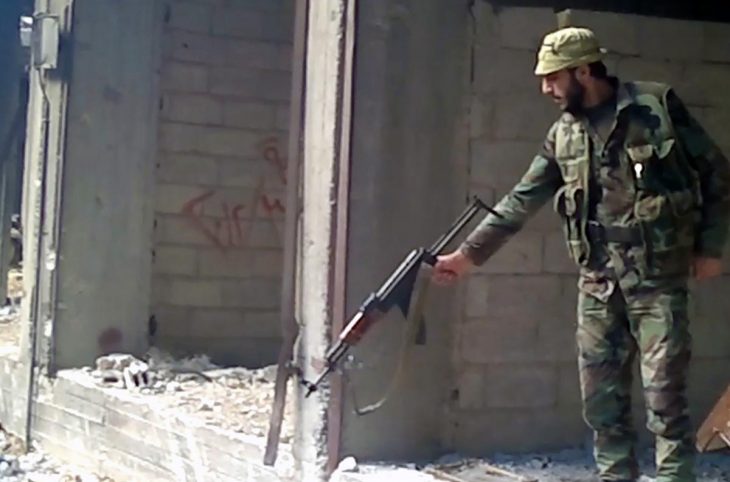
574,97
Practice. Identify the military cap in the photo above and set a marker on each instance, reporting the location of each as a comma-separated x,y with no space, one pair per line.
568,47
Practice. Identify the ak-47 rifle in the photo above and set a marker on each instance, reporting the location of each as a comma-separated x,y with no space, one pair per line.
395,291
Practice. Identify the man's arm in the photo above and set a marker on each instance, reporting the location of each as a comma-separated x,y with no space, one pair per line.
537,185
713,171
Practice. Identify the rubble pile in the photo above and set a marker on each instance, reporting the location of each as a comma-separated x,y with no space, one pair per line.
17,465
236,399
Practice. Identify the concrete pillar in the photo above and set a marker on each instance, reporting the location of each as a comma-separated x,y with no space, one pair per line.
94,177
408,182
322,123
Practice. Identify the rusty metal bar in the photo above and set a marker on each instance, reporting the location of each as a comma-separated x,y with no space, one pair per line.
289,324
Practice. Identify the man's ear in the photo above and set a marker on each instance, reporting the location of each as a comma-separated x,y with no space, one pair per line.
583,74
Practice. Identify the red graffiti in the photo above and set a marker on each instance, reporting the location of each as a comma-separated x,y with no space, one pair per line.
226,228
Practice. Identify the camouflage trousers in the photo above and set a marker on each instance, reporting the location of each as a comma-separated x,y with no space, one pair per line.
652,326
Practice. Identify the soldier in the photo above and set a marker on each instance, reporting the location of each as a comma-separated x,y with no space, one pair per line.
644,198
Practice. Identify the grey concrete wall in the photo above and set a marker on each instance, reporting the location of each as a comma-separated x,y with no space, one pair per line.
118,434
220,178
408,181
107,158
514,351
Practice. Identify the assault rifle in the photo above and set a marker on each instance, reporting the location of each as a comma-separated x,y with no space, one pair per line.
395,291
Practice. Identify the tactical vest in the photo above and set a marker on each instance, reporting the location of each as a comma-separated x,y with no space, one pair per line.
667,198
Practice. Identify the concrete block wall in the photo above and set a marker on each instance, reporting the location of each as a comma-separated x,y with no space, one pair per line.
76,421
219,213
515,355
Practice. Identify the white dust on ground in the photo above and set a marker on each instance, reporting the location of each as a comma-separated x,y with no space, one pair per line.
18,465
574,465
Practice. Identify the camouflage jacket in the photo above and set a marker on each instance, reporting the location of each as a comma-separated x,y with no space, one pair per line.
676,180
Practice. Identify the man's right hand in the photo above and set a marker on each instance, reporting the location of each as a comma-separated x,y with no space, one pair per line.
450,267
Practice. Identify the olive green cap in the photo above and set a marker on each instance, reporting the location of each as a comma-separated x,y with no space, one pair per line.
568,47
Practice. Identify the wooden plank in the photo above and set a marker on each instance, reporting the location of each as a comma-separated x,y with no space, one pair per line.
714,433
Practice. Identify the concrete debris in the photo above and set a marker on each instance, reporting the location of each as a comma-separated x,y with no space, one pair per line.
17,465
236,398
348,464
574,465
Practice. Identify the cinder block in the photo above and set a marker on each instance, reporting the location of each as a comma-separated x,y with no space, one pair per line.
501,164
525,116
183,77
568,384
524,28
192,16
706,84
195,293
617,32
242,173
514,430
254,293
221,141
556,332
235,323
240,263
476,296
193,47
186,169
175,260
228,142
500,71
471,387
245,22
180,137
715,120
249,84
282,117
249,115
265,234
556,259
669,71
193,109
500,341
716,42
481,117
670,39
521,255
177,229
253,54
172,321
170,198
521,386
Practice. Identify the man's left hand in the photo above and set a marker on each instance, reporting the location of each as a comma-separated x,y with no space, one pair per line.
706,268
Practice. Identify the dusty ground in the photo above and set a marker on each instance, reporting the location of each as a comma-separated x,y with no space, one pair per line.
565,466
17,465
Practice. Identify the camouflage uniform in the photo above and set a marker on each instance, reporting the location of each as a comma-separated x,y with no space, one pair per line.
637,204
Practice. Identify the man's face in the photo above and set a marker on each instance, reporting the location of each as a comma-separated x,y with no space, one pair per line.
565,90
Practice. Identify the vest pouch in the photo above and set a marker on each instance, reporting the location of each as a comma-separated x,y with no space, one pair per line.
567,203
667,222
